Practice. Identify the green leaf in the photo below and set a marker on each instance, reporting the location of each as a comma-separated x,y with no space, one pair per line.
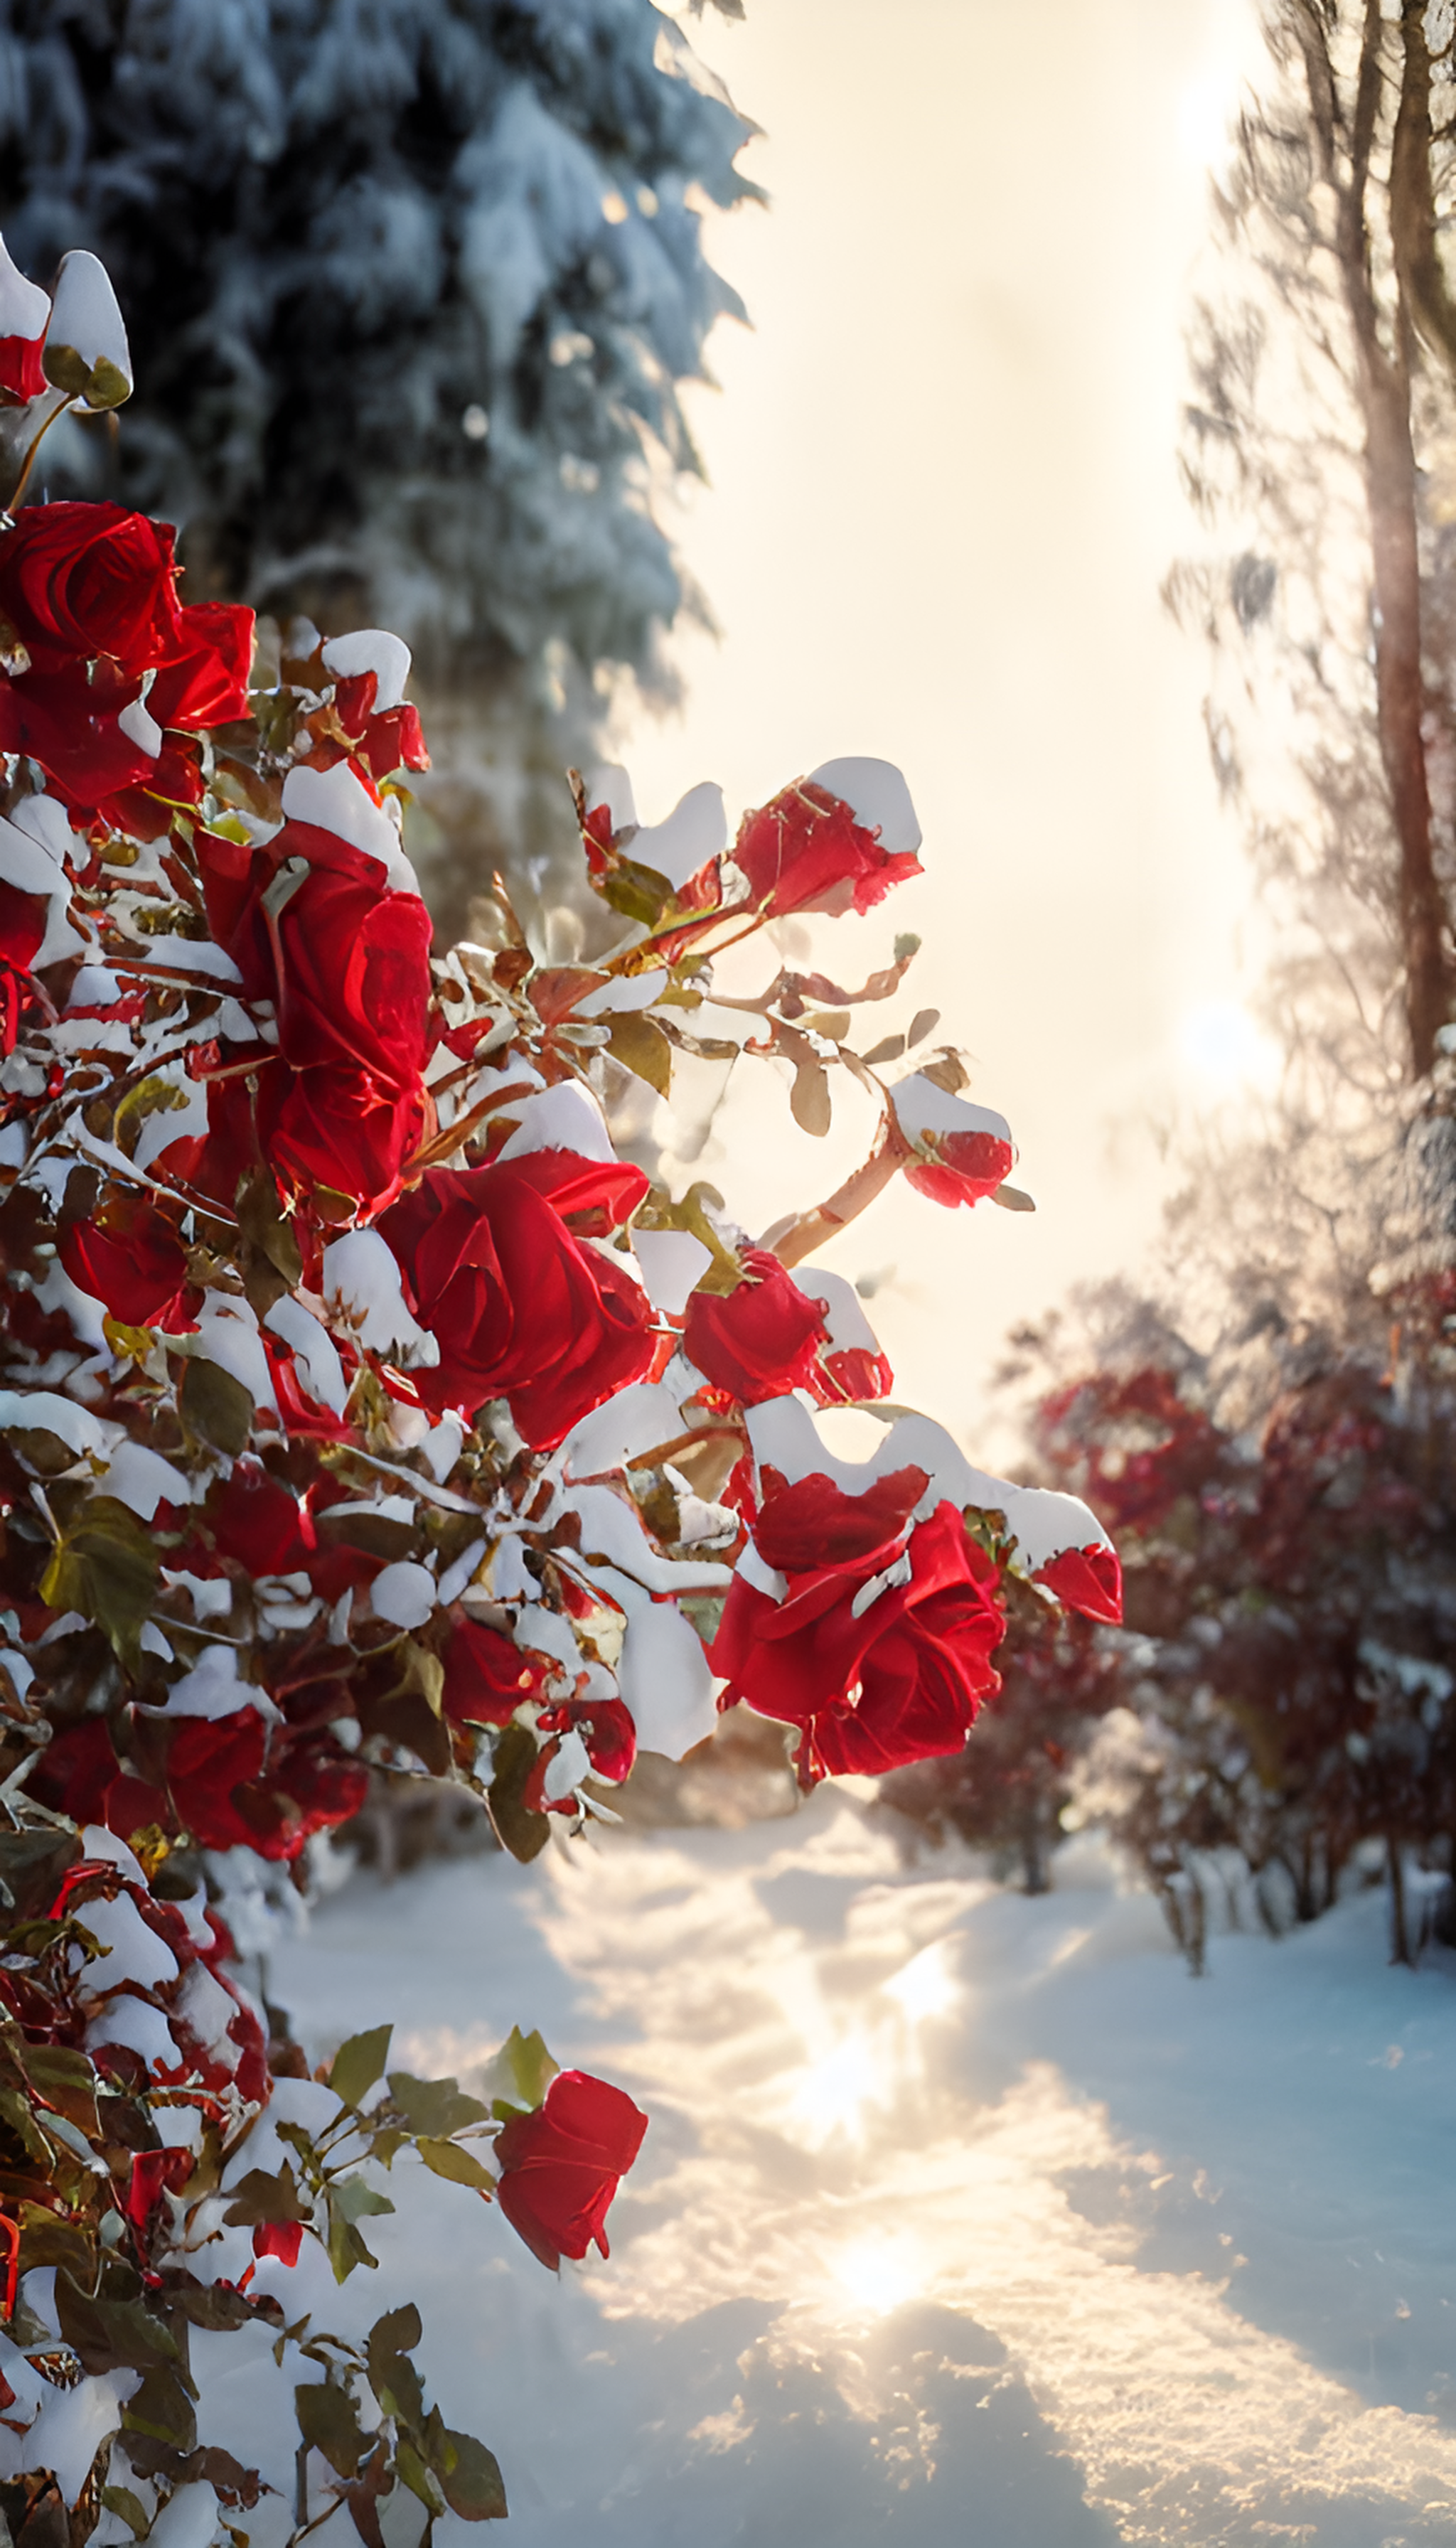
519,1827
472,2484
215,1407
65,2081
357,2198
114,2334
162,2408
359,2062
350,2201
461,2166
330,2421
437,2108
398,2331
525,2070
419,2479
127,2506
392,2376
106,1567
638,893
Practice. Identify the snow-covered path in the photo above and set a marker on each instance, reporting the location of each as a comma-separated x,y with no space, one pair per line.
962,2218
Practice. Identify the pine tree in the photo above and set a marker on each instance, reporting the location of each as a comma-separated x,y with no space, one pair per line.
412,286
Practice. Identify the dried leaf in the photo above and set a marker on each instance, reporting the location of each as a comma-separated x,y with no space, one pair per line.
948,1071
924,1023
1011,1199
889,1049
638,1042
809,1101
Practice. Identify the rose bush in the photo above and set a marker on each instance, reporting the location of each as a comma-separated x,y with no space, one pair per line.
363,1409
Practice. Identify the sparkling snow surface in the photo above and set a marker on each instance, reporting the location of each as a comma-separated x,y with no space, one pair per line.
963,2218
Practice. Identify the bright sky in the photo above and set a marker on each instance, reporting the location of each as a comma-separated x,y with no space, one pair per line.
941,498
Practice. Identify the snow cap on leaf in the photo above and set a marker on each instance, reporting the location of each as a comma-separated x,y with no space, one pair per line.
86,349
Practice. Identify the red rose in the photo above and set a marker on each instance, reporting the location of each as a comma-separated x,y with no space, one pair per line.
91,580
879,1646
23,919
561,2165
204,681
522,1308
608,1736
66,718
773,1334
963,1151
346,965
132,1261
759,1341
1088,1579
805,851
486,1675
22,373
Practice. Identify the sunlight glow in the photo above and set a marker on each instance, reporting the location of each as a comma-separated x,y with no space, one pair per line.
1220,1040
925,1986
879,2273
831,2094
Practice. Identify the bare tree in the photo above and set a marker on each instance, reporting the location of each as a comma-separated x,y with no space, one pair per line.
1336,366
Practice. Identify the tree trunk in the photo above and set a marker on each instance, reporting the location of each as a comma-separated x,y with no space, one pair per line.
1383,389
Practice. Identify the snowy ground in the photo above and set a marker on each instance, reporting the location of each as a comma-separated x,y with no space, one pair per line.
963,2218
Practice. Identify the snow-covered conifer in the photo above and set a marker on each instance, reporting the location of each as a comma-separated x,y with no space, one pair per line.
411,287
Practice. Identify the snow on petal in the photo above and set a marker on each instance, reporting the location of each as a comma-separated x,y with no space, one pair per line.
315,1350
135,1953
672,1263
609,785
569,1765
371,650
565,1117
24,309
125,2020
695,831
404,1593
622,994
362,1290
227,1335
141,1479
876,796
110,1849
846,1326
922,1106
336,800
141,727
664,1680
214,1689
611,1532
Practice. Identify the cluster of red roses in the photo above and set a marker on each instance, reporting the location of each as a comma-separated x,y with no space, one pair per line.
358,1403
